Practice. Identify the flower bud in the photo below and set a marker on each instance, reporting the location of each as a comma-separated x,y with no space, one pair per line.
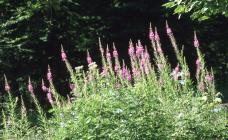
114,53
49,96
44,88
89,59
168,30
197,62
49,74
7,87
63,54
209,78
151,34
196,42
30,87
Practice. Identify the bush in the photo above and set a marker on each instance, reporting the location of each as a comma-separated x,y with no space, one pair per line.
148,100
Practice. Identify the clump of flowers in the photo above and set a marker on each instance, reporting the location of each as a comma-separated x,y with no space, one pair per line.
145,99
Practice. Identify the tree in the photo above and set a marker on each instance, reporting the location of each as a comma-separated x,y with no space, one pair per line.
31,32
199,9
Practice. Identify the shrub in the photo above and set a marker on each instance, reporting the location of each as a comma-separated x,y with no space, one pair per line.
148,100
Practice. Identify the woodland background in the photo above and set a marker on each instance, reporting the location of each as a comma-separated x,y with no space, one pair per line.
31,33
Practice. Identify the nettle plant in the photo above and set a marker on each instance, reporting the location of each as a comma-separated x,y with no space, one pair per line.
148,100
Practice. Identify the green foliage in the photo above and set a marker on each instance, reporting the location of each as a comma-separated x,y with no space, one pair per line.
199,9
29,23
31,32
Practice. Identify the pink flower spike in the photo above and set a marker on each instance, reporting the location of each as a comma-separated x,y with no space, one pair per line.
168,29
198,62
108,55
177,69
116,68
89,59
49,74
63,54
156,37
140,44
139,48
175,72
209,78
146,55
159,50
49,96
30,87
142,62
124,72
151,33
129,78
100,46
44,88
131,49
115,53
196,42
7,87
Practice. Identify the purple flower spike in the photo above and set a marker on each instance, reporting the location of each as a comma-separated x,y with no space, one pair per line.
156,37
143,61
168,29
139,48
177,69
115,53
146,54
108,55
131,49
198,62
100,46
124,72
49,96
63,54
116,68
151,33
196,42
49,74
209,77
30,87
175,72
7,87
129,78
89,59
44,88
159,50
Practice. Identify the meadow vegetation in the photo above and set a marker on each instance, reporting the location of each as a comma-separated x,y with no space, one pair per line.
148,99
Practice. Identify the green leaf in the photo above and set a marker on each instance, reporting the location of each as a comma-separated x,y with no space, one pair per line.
180,9
169,4
203,18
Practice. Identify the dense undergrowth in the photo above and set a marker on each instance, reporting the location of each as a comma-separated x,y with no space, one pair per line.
147,100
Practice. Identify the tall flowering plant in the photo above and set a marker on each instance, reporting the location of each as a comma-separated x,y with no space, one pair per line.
147,98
